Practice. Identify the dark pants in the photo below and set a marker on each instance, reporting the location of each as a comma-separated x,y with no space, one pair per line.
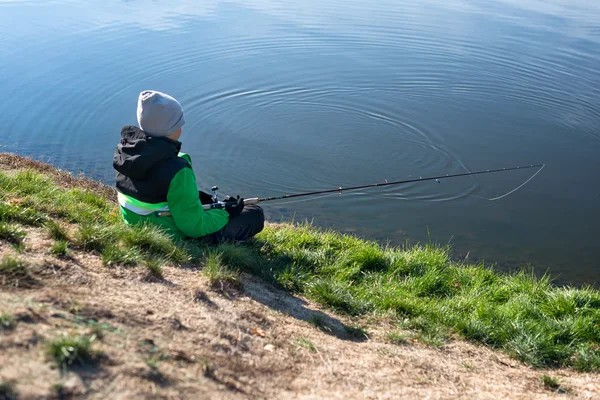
244,226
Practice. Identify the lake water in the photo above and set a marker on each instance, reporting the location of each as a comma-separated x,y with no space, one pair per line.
289,96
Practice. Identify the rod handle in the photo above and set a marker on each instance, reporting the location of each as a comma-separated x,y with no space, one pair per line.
221,204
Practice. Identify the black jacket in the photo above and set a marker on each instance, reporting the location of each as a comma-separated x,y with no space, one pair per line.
146,165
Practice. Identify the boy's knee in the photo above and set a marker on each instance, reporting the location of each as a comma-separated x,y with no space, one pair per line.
255,210
258,215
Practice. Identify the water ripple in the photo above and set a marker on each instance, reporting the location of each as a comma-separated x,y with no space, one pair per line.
287,96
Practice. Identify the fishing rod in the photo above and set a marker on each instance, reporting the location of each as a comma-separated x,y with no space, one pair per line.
255,200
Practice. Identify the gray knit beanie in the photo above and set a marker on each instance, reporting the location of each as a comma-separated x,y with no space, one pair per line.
159,114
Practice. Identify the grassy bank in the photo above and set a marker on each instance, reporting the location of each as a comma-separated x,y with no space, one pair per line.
428,297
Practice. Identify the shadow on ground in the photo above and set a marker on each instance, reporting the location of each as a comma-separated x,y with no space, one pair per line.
295,307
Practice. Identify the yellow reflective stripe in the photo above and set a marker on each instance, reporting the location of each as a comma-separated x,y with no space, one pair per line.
141,211
140,207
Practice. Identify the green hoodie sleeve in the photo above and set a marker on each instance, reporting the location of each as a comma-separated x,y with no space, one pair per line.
186,209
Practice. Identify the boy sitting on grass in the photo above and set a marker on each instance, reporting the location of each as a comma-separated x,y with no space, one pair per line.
157,185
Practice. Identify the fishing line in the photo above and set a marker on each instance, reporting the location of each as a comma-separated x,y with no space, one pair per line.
515,189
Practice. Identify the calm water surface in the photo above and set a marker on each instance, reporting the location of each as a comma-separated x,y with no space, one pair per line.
287,96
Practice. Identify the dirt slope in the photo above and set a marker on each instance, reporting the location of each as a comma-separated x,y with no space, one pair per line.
180,338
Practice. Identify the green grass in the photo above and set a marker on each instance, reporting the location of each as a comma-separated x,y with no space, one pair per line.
98,224
466,365
552,384
57,231
20,214
12,233
7,321
121,244
152,241
396,338
305,343
318,321
91,236
419,287
241,257
60,248
425,331
154,266
218,273
70,351
432,339
525,316
14,271
116,255
356,332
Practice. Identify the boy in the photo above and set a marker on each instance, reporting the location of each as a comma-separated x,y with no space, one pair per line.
157,185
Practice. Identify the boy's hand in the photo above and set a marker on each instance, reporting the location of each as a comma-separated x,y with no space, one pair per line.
235,206
205,198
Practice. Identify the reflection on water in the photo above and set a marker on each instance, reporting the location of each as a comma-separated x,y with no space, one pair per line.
285,96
